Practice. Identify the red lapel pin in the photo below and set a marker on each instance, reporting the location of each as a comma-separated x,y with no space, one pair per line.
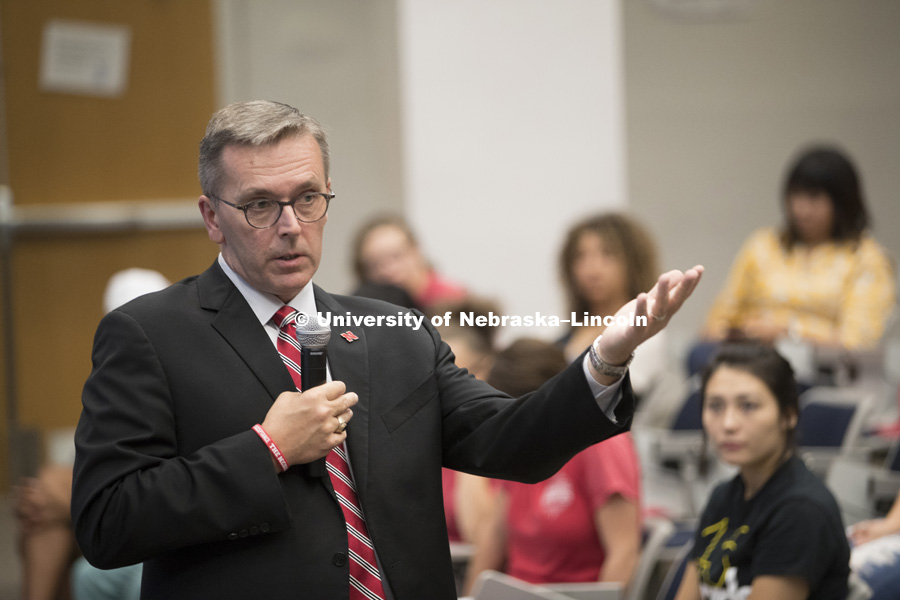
349,336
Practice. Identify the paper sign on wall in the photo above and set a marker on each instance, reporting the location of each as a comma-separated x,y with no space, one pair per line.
85,58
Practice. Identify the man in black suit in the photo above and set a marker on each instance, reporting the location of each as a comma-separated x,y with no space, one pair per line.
170,471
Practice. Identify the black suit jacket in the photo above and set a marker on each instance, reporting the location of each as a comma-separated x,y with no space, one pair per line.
168,471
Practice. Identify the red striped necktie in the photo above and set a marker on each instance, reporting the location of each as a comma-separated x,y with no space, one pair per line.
365,581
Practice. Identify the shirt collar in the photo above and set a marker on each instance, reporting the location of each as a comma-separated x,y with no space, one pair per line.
265,305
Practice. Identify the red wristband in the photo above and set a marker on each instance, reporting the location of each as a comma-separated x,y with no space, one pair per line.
272,447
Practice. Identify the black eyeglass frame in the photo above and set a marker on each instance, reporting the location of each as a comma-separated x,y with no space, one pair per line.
245,207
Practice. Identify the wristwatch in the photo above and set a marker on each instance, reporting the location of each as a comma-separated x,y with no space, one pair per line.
603,367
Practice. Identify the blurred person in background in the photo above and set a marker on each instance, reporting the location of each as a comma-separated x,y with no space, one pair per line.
386,251
606,259
583,523
774,531
820,278
875,555
468,499
872,529
387,293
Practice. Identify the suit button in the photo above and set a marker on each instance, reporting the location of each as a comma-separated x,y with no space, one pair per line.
264,527
232,536
243,533
339,559
254,530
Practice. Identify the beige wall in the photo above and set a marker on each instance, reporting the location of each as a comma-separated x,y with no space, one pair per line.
715,109
508,141
336,61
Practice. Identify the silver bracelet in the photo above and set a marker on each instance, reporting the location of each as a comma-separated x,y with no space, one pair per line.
603,367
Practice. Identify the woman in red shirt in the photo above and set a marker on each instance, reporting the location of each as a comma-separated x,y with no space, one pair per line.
581,524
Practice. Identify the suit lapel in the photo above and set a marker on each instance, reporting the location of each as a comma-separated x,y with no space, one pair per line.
349,362
238,325
235,321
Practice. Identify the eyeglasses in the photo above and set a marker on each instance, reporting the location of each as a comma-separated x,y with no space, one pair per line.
262,213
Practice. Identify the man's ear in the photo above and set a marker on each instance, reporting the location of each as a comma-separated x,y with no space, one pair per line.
327,187
208,210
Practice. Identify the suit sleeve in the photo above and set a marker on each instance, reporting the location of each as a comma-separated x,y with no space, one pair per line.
134,495
526,439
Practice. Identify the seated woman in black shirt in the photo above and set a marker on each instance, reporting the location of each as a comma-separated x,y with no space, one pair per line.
774,531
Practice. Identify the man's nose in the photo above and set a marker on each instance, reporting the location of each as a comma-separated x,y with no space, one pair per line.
288,221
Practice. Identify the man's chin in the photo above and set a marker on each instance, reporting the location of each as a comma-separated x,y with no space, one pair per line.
287,288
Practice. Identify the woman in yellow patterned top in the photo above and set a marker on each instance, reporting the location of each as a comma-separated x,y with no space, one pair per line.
822,278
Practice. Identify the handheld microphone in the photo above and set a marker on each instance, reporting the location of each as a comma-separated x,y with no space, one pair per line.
313,338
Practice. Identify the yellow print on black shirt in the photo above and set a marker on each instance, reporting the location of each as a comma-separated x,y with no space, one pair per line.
726,582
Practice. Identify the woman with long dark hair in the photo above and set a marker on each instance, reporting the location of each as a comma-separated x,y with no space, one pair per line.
774,531
820,277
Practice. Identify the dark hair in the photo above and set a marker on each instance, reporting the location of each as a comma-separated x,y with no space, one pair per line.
480,338
823,169
359,268
386,292
628,238
525,365
767,365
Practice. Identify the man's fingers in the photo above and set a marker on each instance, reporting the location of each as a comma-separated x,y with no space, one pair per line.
343,403
698,269
686,286
661,298
640,305
335,439
343,420
339,434
332,390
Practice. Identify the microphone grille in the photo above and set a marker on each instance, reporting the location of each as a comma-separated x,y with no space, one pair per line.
310,332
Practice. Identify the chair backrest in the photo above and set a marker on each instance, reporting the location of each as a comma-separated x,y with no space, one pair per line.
493,585
672,580
594,590
656,533
832,417
688,417
661,403
893,458
849,481
666,492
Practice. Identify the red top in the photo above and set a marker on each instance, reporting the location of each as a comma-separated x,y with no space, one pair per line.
449,480
551,530
439,290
